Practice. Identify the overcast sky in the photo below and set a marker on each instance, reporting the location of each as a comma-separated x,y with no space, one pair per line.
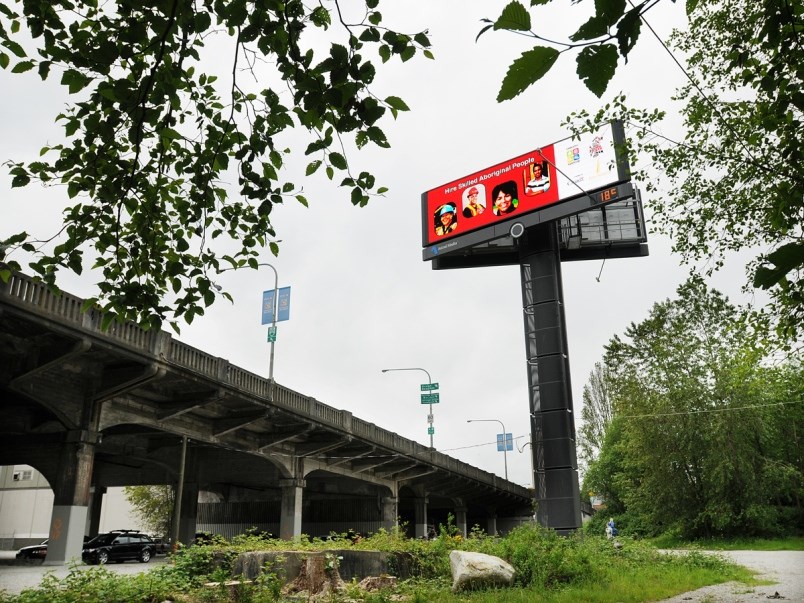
362,298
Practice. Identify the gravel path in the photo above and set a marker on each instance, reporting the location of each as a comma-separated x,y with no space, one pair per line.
785,568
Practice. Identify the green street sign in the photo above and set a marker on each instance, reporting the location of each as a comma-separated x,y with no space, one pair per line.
431,430
428,387
429,398
271,334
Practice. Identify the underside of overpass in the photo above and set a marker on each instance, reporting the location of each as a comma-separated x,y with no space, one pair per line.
93,408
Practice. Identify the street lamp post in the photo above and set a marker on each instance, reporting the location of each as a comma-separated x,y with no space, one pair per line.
505,439
430,381
274,309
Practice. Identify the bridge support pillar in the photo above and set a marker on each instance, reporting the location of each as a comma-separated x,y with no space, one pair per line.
389,512
189,513
460,519
290,519
71,498
491,524
95,508
420,516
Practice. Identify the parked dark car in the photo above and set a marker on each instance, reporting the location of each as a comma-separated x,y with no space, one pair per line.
119,546
161,545
35,551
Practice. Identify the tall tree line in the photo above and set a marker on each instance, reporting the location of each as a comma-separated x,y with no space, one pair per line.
694,426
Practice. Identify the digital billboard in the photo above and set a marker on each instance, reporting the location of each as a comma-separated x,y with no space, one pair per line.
528,184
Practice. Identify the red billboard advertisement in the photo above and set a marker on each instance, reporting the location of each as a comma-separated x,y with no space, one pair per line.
523,185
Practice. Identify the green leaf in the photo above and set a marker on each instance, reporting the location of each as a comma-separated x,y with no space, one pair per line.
15,239
382,190
44,69
421,39
526,70
691,6
88,304
19,180
337,160
484,30
4,60
74,80
397,103
375,18
107,320
595,27
514,17
385,53
785,259
377,136
302,199
628,31
15,48
610,11
22,67
596,66
312,167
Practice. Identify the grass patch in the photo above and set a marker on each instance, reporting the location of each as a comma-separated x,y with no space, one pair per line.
791,543
550,569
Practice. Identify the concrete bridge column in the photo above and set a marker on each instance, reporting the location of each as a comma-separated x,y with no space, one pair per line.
460,519
71,497
290,519
491,523
188,515
389,512
420,516
95,508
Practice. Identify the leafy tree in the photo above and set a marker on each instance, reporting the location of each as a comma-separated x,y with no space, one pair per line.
611,33
151,136
736,179
596,414
153,506
704,439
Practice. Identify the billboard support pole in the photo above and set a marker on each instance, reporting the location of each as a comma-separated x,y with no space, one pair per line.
555,467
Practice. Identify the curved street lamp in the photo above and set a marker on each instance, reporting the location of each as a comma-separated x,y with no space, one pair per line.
505,439
430,381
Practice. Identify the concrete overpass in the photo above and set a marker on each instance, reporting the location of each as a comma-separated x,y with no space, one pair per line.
93,408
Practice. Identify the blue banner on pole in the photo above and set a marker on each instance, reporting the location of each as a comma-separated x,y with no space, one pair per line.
283,310
509,442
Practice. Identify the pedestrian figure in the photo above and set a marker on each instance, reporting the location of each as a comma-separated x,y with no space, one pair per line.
611,529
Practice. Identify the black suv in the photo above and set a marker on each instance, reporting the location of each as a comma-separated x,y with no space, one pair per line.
119,545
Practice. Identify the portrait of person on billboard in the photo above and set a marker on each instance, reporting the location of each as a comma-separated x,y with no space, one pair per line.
505,198
537,178
445,219
474,201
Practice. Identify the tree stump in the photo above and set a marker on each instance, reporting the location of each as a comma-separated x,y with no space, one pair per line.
318,575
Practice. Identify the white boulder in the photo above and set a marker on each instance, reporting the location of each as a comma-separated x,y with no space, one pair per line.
472,571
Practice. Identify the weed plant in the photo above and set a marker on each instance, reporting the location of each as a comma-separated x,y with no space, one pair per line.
549,569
